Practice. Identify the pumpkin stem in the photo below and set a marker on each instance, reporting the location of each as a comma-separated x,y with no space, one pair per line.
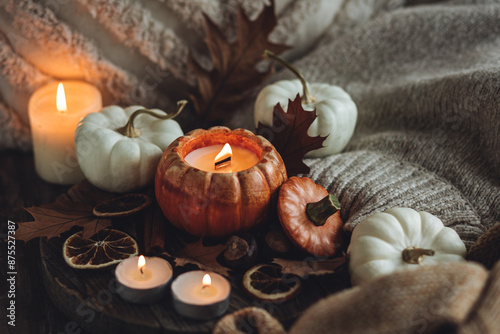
130,131
415,255
307,97
320,211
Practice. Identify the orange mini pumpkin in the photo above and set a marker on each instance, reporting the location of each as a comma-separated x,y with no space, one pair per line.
212,204
310,216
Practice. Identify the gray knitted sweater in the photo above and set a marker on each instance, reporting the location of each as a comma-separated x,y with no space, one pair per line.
426,80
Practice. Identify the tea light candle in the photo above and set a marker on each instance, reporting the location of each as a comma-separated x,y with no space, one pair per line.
55,111
143,280
201,295
204,158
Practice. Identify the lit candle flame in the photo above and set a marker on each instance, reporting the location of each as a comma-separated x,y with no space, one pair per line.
223,159
141,263
207,280
61,99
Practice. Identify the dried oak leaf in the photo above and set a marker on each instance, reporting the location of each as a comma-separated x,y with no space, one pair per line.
68,210
234,70
203,256
289,135
309,267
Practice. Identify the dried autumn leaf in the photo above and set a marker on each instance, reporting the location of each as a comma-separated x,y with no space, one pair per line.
53,219
204,257
289,135
68,210
234,70
310,267
85,192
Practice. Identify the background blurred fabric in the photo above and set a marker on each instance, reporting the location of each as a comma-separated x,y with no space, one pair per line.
135,52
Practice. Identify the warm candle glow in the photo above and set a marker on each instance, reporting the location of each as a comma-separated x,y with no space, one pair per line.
204,158
207,290
141,263
61,99
207,280
224,153
223,159
143,288
194,300
55,112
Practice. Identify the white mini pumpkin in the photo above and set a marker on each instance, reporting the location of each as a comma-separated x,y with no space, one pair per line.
400,239
335,110
118,150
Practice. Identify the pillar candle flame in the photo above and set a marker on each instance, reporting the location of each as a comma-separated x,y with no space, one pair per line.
61,99
223,159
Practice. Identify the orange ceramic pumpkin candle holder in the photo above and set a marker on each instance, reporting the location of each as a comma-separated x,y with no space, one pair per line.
216,204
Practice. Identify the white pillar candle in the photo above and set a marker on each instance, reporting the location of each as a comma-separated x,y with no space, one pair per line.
143,283
53,128
195,298
204,159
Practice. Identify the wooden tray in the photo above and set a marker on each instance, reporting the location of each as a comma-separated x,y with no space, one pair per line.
89,298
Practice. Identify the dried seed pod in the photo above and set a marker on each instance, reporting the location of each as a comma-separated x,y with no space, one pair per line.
277,244
241,251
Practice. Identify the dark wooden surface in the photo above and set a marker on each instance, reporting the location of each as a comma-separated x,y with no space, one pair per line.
51,297
20,187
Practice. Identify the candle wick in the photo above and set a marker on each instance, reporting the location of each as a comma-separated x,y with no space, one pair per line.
142,270
223,163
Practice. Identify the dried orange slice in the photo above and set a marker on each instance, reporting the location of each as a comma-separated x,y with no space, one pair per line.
103,249
122,206
267,282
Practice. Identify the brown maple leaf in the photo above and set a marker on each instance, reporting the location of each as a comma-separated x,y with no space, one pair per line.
203,256
234,70
68,210
289,135
309,268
